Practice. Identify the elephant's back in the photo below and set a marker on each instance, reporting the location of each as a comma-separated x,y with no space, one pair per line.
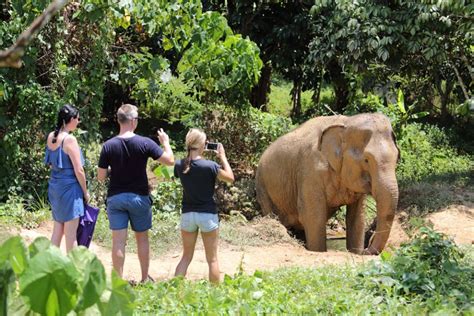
292,145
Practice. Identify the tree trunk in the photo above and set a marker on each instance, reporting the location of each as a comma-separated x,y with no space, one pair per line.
317,91
259,94
296,99
341,86
444,98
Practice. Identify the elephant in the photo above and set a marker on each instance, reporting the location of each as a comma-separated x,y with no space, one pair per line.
307,174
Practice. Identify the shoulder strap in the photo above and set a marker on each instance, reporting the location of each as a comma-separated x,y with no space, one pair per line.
62,143
124,143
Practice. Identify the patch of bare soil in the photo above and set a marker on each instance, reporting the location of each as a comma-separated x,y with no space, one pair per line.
397,233
232,258
456,221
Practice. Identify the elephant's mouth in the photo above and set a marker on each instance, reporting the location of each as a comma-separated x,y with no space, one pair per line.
368,186
366,183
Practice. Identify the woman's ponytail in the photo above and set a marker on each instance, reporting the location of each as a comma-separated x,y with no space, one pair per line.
187,162
195,140
56,130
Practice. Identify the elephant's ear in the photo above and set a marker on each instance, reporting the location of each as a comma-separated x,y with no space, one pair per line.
330,145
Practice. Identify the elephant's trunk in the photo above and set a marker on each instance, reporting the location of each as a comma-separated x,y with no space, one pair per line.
385,192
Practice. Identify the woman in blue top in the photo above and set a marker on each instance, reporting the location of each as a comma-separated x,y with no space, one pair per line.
198,177
67,190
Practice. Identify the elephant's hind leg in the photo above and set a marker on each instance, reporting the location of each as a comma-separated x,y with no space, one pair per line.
264,200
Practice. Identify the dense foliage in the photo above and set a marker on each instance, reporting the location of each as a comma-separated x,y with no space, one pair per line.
100,54
50,283
430,267
423,47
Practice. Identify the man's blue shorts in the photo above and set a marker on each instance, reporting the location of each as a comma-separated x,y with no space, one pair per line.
123,207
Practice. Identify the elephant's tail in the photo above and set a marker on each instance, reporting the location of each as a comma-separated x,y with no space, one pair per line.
263,198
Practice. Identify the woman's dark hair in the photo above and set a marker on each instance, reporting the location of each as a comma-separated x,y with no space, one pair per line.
65,115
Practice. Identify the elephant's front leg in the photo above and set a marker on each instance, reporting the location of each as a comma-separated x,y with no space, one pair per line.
312,213
355,225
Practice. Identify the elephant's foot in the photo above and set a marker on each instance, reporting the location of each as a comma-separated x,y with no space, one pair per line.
357,251
370,251
317,247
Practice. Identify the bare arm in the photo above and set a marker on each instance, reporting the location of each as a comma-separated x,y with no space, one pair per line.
167,158
101,174
71,147
225,173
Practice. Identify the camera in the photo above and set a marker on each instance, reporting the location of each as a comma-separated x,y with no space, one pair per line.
211,146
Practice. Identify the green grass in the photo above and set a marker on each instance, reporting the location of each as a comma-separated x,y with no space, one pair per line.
280,99
428,275
324,291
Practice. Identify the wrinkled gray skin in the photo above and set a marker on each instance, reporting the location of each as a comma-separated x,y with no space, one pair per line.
307,174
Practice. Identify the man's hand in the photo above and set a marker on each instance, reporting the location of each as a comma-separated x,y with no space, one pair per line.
163,137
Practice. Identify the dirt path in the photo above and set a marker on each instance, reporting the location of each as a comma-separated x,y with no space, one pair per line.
457,221
231,258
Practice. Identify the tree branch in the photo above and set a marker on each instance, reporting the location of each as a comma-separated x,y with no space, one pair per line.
461,83
11,57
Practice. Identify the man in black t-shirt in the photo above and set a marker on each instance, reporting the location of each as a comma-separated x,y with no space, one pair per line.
124,158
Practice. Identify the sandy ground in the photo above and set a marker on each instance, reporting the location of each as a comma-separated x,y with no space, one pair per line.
456,221
231,258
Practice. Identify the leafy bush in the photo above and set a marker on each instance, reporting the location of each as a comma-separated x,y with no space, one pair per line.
41,279
424,153
239,197
28,213
430,266
245,133
167,196
364,103
330,290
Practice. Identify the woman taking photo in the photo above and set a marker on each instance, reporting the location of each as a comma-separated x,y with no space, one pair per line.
67,191
198,177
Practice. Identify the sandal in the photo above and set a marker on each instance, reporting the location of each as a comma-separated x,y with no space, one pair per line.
132,283
148,279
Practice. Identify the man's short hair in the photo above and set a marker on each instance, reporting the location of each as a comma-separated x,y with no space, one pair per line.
126,113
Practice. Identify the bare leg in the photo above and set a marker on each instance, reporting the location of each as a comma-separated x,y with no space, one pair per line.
189,242
210,241
143,249
119,240
70,232
58,231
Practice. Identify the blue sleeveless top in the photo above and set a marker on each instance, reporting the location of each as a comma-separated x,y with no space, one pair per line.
64,191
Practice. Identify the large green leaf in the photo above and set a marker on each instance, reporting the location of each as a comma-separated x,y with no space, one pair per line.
7,277
51,283
121,299
14,251
92,276
40,244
